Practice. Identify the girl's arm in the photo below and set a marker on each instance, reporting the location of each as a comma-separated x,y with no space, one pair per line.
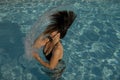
53,62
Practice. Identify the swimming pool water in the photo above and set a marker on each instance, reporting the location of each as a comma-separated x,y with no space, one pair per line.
91,46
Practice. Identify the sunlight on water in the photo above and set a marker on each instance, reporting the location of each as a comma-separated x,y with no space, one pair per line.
91,46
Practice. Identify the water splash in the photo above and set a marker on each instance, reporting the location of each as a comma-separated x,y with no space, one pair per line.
38,28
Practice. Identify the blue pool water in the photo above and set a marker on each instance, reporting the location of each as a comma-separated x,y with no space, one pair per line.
91,46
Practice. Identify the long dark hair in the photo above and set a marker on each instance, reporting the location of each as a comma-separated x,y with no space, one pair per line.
60,21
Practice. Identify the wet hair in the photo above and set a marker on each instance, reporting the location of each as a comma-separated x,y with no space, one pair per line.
60,21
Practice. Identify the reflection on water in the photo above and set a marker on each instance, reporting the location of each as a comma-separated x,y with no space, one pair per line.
91,45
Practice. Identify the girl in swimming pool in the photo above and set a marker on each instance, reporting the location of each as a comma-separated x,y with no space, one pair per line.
52,46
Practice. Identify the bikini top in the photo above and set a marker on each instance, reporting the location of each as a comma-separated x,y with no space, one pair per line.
48,57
